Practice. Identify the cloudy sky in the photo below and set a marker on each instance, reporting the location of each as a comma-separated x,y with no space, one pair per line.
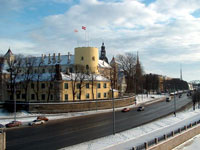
165,32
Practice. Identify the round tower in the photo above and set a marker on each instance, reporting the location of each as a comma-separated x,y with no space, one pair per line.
87,57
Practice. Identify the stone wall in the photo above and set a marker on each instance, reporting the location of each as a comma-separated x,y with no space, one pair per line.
78,106
2,140
177,140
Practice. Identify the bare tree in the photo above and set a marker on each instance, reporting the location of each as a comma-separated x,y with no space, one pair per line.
27,74
14,69
37,77
127,63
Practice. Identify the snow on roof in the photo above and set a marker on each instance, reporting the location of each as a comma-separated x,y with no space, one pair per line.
103,64
86,77
66,77
34,77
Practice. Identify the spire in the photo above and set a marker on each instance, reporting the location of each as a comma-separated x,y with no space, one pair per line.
138,61
103,53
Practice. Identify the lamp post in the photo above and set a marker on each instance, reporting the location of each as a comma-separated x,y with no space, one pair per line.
174,103
113,103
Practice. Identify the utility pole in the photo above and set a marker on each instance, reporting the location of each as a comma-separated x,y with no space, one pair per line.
174,103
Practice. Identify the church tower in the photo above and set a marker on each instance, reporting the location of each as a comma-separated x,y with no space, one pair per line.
103,53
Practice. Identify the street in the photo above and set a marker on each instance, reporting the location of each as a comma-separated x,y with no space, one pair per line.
61,133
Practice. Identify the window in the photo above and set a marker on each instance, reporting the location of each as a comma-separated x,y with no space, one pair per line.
82,58
43,85
87,95
51,86
43,70
66,97
51,97
18,96
105,95
66,85
87,85
99,85
23,96
93,58
87,67
99,95
32,85
43,96
105,85
33,96
78,96
78,85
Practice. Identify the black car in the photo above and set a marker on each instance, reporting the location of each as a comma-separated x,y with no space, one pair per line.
141,108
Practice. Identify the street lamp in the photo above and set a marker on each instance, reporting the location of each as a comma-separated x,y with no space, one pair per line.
174,103
113,103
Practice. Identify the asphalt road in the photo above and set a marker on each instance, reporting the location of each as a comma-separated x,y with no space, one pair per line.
62,133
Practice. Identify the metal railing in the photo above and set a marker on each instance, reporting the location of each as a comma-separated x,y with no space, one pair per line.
164,137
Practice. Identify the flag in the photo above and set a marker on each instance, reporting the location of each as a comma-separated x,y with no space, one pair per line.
83,27
75,30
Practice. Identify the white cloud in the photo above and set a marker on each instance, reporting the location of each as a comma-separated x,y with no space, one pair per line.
164,31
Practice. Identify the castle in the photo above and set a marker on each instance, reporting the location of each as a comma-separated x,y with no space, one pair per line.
82,76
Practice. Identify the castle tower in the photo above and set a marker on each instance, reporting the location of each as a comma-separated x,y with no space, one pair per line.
87,57
103,53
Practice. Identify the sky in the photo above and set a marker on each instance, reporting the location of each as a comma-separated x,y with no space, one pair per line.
166,33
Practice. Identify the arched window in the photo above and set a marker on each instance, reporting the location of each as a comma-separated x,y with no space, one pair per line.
87,67
82,58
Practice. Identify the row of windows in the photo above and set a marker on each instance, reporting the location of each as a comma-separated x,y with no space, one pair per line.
93,58
87,85
42,85
87,96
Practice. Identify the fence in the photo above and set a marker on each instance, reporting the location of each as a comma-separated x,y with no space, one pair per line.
164,137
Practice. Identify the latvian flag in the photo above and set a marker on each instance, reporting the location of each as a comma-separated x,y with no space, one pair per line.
83,27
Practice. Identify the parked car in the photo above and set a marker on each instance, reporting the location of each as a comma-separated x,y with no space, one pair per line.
168,99
141,108
125,109
36,122
2,126
42,118
13,124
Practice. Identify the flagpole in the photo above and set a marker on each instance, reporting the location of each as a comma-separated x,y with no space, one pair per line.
85,39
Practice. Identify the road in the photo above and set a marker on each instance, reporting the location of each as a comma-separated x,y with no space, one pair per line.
62,133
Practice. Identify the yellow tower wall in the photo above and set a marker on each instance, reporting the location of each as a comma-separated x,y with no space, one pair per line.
87,56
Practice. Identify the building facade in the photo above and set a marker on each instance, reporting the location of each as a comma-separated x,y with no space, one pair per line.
56,78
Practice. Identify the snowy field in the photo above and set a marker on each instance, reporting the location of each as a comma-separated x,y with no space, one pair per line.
26,117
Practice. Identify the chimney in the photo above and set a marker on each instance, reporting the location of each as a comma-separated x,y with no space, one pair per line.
68,60
49,59
59,60
54,58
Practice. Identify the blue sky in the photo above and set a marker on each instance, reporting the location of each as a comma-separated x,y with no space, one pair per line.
166,33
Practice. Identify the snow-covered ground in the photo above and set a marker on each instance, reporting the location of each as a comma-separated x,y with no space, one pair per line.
192,144
25,117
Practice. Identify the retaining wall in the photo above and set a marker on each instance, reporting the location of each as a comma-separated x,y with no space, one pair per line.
2,140
78,106
177,140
